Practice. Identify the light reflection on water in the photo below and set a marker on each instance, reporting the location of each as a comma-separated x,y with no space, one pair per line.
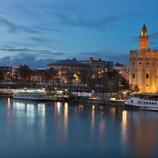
92,120
66,114
124,128
49,128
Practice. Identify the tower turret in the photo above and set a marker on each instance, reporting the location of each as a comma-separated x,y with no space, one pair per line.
144,39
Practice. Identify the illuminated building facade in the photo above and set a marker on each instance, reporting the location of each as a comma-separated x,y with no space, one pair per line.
70,70
143,66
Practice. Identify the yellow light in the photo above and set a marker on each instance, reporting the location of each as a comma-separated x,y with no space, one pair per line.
113,99
65,81
59,73
93,107
76,77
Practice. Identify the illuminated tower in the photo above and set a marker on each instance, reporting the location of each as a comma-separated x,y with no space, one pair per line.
144,39
143,66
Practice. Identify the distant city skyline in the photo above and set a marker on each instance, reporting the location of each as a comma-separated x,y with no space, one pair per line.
36,31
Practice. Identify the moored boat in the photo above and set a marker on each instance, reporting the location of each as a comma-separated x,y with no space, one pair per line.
143,102
32,96
37,97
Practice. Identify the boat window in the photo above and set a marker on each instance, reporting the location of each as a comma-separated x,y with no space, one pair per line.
138,102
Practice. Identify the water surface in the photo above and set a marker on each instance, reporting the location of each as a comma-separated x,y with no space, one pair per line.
32,129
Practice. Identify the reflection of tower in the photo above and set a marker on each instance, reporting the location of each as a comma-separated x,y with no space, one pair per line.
145,134
144,39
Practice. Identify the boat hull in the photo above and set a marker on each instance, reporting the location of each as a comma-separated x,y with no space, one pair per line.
33,99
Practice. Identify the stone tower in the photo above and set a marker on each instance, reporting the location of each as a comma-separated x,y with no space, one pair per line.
143,66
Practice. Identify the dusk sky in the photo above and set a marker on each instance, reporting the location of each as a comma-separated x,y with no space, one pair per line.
45,30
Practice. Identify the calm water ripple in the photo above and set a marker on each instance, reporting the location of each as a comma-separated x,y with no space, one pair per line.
31,129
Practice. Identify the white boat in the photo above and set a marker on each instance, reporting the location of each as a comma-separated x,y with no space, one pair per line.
33,96
143,102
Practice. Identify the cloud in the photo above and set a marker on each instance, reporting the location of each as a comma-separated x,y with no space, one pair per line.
56,53
26,52
108,55
29,42
9,25
91,23
101,53
54,16
13,28
38,41
23,50
47,27
29,60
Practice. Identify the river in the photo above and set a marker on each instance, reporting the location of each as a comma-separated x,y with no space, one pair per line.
50,130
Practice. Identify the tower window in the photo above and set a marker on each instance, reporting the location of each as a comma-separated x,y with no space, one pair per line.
147,75
142,33
133,76
140,63
147,63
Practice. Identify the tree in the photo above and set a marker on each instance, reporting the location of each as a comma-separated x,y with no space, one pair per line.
49,75
1,74
23,73
116,82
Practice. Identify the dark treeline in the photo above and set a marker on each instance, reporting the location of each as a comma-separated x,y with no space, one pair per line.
110,81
